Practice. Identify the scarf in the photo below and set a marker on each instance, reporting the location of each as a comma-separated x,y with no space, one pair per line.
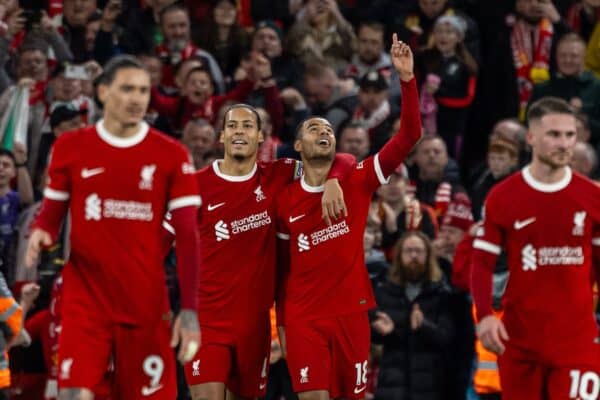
531,57
574,17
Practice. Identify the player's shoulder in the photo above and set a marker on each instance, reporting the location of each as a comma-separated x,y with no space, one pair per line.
164,140
581,181
75,137
508,187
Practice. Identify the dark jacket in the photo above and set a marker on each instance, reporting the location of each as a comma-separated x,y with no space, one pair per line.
412,364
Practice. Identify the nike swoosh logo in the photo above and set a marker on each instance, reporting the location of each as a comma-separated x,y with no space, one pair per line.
214,206
88,173
149,391
524,223
357,390
262,386
292,219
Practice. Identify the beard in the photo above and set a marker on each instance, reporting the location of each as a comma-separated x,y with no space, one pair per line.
546,160
414,271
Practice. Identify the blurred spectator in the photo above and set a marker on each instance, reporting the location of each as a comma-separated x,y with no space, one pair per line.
328,96
197,93
585,159
417,26
414,324
370,54
582,124
374,109
154,67
572,83
375,260
11,327
582,17
66,87
222,37
449,60
401,212
76,14
460,354
12,165
199,137
268,148
536,28
502,160
322,34
268,40
435,178
354,139
64,118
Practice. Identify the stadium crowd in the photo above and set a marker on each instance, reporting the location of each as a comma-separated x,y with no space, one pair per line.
479,65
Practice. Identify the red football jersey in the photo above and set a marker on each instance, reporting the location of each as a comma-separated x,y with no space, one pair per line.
327,274
547,231
237,239
119,190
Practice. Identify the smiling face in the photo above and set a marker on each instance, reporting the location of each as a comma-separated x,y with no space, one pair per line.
240,135
316,140
198,87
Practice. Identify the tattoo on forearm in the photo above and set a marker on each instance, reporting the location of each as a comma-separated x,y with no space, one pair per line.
189,320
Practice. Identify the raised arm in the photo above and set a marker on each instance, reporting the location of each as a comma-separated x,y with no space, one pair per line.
397,148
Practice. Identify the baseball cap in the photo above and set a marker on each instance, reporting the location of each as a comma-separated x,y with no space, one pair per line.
64,113
269,23
375,80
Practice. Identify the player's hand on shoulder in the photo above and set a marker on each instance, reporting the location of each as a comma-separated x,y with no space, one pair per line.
332,202
383,324
38,239
402,58
186,334
492,334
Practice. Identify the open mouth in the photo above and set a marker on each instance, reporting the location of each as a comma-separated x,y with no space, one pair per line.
323,142
239,142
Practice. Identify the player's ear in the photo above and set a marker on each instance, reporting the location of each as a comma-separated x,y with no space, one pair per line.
222,136
102,92
261,136
529,136
298,145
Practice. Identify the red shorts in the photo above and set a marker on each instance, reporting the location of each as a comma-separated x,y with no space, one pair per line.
524,378
330,354
144,363
233,353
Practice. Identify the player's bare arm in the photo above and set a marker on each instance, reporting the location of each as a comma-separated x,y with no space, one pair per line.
186,333
75,394
38,240
332,202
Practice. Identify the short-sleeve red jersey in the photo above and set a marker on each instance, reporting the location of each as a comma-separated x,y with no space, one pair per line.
327,274
547,231
118,190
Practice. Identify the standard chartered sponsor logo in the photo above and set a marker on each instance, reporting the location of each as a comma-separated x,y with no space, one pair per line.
223,231
303,244
533,258
331,232
528,258
96,209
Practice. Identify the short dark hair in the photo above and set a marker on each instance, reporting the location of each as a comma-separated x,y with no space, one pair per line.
9,154
172,8
298,132
548,105
118,63
376,26
247,107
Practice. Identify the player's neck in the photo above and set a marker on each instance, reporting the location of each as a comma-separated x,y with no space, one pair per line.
315,174
233,167
545,174
118,129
